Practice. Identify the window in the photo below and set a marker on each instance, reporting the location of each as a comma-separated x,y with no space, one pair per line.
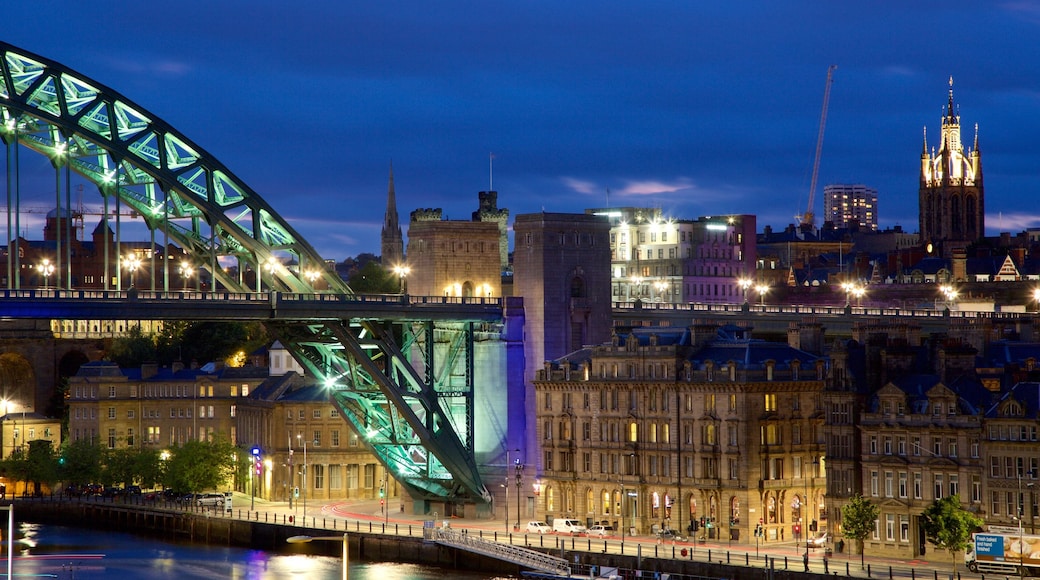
111,438
319,475
938,486
335,477
770,402
316,413
317,438
918,485
873,445
902,484
874,483
130,437
112,392
335,437
111,412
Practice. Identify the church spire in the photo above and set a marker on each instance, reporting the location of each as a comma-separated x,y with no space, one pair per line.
392,241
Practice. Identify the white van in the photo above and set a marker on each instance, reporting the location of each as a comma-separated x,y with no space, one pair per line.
568,526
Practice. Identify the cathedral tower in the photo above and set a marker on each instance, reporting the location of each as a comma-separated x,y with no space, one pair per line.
951,199
392,241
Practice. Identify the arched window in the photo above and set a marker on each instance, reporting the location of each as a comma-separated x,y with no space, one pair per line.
550,499
577,287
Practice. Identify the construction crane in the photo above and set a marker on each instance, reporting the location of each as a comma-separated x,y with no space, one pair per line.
809,218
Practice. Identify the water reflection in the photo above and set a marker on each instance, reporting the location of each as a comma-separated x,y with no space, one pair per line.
78,554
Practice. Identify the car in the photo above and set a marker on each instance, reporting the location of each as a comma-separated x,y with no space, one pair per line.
210,500
538,528
669,535
568,526
819,541
601,531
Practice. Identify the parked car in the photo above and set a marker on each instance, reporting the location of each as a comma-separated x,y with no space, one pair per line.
568,526
210,500
538,528
601,531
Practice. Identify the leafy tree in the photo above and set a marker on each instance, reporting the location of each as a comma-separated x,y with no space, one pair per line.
201,465
82,461
15,466
948,526
119,466
42,464
132,350
858,518
373,279
216,341
148,468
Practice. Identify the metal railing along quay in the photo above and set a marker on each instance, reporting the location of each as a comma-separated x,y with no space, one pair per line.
769,556
519,555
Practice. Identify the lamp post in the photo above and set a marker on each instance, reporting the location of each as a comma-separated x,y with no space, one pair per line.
401,270
506,486
762,289
744,284
306,539
132,263
270,265
621,506
519,483
661,286
303,491
805,504
1036,298
312,276
186,270
1021,512
45,268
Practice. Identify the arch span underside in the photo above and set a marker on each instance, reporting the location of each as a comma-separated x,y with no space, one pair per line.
422,432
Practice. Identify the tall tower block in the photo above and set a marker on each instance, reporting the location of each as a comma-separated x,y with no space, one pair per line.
392,241
561,269
951,197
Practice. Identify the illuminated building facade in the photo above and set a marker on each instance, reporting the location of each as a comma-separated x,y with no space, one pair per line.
666,425
845,205
951,197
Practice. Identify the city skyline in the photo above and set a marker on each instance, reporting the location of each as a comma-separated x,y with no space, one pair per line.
698,110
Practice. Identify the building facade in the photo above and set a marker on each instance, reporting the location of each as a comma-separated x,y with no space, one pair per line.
663,427
845,205
951,197
453,257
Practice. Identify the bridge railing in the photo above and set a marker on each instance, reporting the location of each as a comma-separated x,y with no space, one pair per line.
830,310
226,296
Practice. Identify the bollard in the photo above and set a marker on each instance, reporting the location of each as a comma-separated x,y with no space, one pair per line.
847,573
727,557
913,574
935,573
785,562
825,566
889,573
868,570
709,554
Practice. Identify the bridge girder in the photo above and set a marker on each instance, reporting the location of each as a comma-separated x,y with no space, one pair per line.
132,155
419,425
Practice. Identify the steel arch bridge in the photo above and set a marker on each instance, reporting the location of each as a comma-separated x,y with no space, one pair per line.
414,410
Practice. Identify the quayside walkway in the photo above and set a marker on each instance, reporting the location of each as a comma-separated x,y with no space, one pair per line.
518,555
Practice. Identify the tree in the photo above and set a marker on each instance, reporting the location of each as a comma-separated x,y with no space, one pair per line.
201,465
948,526
82,461
133,349
858,519
373,279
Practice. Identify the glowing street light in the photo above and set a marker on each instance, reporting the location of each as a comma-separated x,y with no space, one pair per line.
762,289
661,286
306,539
271,265
131,262
1036,297
744,284
401,270
46,268
312,276
186,271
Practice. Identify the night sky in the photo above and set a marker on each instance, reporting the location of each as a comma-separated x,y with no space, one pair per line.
698,108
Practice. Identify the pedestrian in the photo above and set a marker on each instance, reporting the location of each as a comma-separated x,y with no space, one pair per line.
781,534
805,560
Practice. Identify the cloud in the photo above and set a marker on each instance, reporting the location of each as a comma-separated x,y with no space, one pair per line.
581,186
652,187
1010,222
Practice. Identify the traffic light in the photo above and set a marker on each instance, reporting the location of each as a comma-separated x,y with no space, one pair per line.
797,529
380,491
812,526
702,521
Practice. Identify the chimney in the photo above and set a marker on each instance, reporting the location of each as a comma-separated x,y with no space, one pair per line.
149,370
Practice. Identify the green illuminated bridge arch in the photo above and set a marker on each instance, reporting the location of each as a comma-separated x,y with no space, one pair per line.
402,374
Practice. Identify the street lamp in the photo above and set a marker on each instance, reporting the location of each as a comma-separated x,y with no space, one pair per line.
661,286
306,539
401,270
506,486
252,482
270,265
1036,297
45,268
1021,510
519,482
312,276
186,271
744,284
762,289
299,437
131,262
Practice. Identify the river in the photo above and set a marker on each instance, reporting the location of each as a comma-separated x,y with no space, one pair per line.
79,554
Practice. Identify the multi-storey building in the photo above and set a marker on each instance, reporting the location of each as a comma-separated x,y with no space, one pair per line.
453,257
664,426
156,407
845,205
919,443
1011,464
658,259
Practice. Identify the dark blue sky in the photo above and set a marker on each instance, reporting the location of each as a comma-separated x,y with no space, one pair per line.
699,108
